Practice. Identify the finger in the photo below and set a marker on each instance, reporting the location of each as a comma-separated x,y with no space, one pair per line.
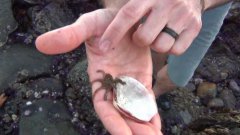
111,119
177,23
150,29
185,40
142,128
129,15
163,43
70,37
156,121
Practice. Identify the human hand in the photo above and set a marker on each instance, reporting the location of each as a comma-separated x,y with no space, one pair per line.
182,16
124,59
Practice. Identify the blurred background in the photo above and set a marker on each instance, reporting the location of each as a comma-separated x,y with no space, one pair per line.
50,95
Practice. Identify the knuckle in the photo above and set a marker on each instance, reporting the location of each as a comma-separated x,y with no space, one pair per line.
182,5
197,25
143,39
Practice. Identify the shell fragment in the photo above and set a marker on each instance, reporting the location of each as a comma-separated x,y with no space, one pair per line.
134,99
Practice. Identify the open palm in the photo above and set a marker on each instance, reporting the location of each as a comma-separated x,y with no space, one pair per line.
125,58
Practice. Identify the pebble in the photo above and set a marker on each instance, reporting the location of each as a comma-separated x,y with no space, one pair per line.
197,101
14,117
228,99
29,93
175,130
198,81
186,116
216,103
37,95
45,130
40,109
27,113
76,114
45,92
74,120
223,75
234,86
23,73
191,87
56,115
28,103
207,89
6,118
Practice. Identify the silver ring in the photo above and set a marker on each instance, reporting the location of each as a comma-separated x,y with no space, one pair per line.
170,32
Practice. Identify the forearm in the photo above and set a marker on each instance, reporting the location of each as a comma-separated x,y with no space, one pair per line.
209,4
114,3
119,3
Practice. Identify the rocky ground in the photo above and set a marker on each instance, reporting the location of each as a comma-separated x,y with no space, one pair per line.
51,95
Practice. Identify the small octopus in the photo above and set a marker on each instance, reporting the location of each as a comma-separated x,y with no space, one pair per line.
108,83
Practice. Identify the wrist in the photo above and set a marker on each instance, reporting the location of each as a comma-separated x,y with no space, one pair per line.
114,4
203,5
209,4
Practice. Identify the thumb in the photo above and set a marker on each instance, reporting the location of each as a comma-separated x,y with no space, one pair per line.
70,37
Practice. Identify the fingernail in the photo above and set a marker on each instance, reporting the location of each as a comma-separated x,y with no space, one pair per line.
104,45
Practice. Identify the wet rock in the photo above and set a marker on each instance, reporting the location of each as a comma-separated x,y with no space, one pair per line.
7,21
80,87
237,106
215,103
163,102
19,58
78,76
187,106
213,65
235,131
207,89
8,130
228,99
52,16
38,88
219,123
234,86
176,130
6,118
54,119
186,116
230,31
49,84
71,93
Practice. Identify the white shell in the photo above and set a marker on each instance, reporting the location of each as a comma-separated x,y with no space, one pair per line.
134,99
